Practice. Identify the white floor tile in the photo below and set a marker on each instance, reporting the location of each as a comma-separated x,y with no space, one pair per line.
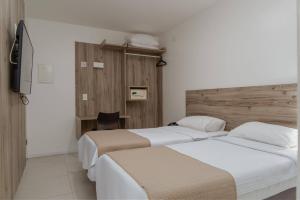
55,177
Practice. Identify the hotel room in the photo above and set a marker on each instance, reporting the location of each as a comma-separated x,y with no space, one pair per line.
161,99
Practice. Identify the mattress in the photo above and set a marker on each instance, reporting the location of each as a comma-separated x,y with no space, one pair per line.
88,151
259,170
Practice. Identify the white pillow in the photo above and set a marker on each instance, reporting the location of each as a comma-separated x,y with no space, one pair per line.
267,133
143,39
203,123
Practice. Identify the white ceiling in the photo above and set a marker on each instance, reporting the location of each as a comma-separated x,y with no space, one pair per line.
148,16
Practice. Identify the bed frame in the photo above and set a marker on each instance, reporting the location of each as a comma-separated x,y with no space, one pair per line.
275,104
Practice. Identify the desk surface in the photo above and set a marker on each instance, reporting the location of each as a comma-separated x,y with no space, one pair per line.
95,117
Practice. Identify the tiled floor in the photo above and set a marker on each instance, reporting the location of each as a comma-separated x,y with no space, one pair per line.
55,177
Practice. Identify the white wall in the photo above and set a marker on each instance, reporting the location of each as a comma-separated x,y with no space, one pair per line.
233,43
51,112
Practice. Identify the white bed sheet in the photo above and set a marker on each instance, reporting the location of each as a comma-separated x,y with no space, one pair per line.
88,151
256,167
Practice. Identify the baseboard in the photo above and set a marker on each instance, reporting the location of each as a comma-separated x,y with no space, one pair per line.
50,154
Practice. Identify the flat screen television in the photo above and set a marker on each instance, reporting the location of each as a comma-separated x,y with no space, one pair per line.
21,59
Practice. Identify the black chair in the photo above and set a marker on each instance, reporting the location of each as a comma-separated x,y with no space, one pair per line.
108,121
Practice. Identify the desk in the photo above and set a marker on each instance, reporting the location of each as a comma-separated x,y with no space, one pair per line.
85,124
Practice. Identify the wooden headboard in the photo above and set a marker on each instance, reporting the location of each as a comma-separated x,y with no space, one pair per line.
275,104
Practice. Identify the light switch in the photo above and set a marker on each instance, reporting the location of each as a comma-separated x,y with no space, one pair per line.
83,64
84,97
98,65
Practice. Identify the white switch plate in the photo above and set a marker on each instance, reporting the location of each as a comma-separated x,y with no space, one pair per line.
98,65
84,97
45,73
83,64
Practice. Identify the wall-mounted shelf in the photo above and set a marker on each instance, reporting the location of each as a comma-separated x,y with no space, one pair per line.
81,127
106,45
132,49
95,117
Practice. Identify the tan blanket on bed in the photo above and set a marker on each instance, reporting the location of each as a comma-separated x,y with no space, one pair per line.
166,174
114,140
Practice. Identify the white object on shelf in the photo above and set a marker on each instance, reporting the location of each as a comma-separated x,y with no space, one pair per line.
143,46
98,65
143,40
45,73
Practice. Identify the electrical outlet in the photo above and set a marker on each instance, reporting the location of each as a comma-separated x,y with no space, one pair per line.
98,65
83,64
84,97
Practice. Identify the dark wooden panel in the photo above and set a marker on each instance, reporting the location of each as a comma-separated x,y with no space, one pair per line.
272,104
142,71
12,112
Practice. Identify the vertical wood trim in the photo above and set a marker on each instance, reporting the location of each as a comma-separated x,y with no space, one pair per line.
125,83
160,95
12,111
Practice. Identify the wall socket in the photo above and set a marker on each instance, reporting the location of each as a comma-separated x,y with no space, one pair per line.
98,65
84,97
83,64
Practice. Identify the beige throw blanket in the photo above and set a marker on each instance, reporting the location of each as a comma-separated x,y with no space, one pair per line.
166,174
114,140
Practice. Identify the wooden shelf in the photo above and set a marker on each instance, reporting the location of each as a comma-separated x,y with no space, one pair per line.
82,122
95,117
106,45
132,49
135,100
138,87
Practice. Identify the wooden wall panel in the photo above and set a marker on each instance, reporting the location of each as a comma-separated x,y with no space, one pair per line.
160,95
107,88
142,71
103,86
272,104
12,112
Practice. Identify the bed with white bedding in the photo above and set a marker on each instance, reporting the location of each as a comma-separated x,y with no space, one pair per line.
260,170
88,151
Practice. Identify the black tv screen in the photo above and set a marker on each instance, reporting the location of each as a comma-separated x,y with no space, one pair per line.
22,61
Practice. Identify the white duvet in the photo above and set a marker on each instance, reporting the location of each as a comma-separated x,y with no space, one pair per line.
88,151
259,170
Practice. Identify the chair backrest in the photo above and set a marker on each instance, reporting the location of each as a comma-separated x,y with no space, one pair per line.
108,121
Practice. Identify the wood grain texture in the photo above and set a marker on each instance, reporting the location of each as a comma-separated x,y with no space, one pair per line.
107,88
142,71
103,86
275,104
160,96
12,111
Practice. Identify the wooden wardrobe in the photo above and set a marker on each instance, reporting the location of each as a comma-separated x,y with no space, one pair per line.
107,89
